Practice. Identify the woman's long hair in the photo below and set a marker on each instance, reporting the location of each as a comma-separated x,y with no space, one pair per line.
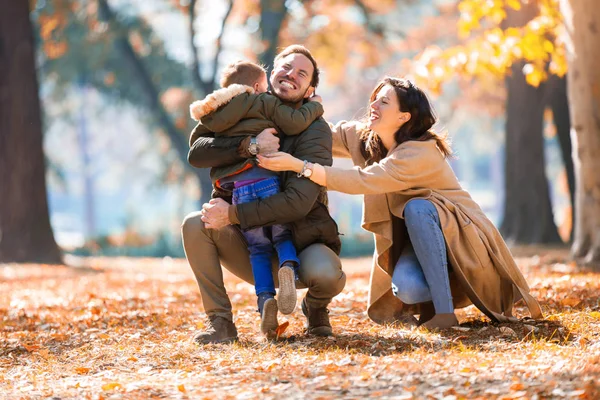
422,118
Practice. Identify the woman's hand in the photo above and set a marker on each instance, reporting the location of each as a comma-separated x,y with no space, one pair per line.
280,161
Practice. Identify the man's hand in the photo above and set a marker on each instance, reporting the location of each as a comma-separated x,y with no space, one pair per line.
267,141
215,214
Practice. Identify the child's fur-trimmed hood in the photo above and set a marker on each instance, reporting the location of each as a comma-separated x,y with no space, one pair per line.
216,99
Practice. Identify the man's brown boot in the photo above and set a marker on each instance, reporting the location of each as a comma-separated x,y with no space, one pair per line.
318,320
218,330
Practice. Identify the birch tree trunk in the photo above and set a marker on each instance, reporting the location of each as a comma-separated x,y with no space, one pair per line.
582,21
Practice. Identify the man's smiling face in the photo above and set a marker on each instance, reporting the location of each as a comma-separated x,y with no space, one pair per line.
291,78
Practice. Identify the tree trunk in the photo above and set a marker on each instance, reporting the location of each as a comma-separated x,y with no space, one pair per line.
25,232
528,217
559,104
272,14
582,20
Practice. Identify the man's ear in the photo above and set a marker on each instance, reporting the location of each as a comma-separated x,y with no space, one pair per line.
309,92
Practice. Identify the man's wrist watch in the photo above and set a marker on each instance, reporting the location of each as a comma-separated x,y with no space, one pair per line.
253,147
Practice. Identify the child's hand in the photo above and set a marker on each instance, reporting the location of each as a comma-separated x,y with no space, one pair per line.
316,98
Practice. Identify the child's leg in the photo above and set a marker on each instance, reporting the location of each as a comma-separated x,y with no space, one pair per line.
288,266
288,260
261,251
259,245
282,241
281,237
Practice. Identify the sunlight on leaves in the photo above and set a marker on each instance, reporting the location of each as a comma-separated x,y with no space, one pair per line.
489,50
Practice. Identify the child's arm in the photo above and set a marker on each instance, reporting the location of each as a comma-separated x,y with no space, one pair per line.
229,114
291,121
223,108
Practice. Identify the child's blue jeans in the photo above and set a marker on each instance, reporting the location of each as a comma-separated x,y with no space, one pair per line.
262,240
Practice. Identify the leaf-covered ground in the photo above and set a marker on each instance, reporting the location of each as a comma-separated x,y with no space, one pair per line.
122,328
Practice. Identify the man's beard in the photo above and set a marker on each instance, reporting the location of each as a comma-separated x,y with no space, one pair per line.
294,100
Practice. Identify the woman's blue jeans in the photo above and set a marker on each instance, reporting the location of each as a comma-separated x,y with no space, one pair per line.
262,240
421,273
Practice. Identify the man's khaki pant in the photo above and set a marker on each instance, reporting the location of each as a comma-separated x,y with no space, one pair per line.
208,249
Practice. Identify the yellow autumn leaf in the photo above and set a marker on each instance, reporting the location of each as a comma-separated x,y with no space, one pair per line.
534,75
110,386
514,4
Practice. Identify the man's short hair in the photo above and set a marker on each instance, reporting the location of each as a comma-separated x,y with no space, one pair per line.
299,49
242,73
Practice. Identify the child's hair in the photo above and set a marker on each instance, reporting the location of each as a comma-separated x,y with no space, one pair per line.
242,73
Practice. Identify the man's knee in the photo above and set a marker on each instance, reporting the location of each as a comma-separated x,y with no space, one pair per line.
320,266
192,225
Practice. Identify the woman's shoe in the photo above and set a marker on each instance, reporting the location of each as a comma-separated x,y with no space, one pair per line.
441,321
427,312
287,297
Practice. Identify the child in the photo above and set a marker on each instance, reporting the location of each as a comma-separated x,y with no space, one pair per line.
241,108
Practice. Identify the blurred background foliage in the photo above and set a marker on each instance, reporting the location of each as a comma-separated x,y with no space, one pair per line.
116,79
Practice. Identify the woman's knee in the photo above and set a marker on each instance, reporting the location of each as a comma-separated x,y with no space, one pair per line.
412,295
411,290
417,208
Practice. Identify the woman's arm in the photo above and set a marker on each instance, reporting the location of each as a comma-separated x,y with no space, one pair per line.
286,162
412,166
344,135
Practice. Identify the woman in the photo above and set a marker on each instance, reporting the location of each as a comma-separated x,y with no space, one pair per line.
453,256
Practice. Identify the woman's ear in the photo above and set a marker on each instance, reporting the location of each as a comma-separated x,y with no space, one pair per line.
404,117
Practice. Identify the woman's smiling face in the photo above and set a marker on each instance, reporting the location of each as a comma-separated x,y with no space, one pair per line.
385,115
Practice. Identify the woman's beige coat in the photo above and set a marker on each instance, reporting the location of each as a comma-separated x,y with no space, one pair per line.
484,272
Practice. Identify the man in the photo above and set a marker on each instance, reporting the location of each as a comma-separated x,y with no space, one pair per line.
211,239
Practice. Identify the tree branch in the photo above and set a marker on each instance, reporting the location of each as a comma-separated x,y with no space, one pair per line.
376,29
272,14
148,87
196,77
213,79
